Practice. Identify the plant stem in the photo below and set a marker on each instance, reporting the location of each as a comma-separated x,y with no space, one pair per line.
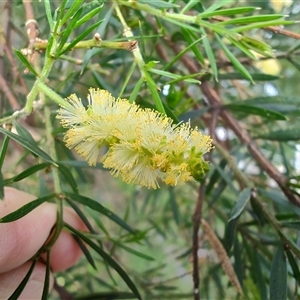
51,94
128,33
92,43
56,181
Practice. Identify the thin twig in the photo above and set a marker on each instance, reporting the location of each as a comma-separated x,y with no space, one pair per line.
32,28
197,221
8,93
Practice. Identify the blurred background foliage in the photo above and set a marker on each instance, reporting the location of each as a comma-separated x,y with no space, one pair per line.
248,62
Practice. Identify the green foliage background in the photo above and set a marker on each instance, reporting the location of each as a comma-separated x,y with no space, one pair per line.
250,203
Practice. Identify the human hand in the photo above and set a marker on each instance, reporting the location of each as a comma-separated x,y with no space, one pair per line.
21,239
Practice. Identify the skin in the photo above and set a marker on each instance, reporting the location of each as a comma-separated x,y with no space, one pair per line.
21,239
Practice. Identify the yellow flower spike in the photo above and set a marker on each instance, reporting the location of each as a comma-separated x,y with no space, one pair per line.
143,146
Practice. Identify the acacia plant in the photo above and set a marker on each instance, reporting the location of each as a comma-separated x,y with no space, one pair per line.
193,108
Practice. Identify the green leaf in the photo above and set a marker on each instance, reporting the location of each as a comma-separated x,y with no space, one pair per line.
27,64
85,251
79,38
235,62
191,45
257,265
244,48
278,276
25,209
71,11
59,12
1,186
187,78
136,90
251,19
278,103
132,251
227,12
216,6
88,16
29,171
80,164
254,76
159,4
3,150
108,259
261,24
291,224
240,204
291,134
230,234
280,199
101,209
47,277
20,288
28,145
81,215
66,33
294,265
187,34
227,177
49,13
254,110
174,205
153,88
210,54
67,174
24,133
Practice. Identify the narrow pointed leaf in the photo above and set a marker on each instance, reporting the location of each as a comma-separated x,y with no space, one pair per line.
88,16
26,63
130,250
3,150
25,209
228,11
1,186
278,276
251,19
48,13
101,209
71,11
240,204
68,176
254,110
85,251
210,54
294,265
31,147
290,134
235,62
255,76
66,33
47,277
81,215
20,288
79,38
30,171
109,260
153,88
24,133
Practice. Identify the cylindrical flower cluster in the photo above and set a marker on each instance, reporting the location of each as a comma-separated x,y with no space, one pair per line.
143,146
